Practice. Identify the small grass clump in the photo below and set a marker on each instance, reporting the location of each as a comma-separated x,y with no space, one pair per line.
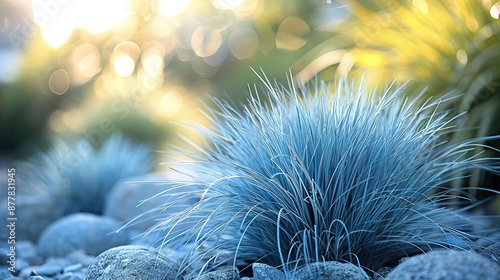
309,176
80,176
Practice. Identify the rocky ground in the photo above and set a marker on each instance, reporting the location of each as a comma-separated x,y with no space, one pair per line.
51,246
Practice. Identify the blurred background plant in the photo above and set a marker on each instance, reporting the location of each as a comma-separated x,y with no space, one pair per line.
93,68
79,177
449,47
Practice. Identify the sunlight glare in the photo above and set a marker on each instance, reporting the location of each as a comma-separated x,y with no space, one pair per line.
421,5
170,8
227,4
170,104
85,63
56,35
123,64
495,11
462,56
58,19
100,16
152,62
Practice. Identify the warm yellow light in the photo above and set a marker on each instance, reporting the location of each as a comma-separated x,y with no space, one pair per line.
73,119
163,27
103,15
123,64
147,81
57,19
56,36
421,5
227,4
206,41
495,11
85,63
292,34
249,8
170,8
170,103
100,89
56,121
129,48
472,24
462,56
152,62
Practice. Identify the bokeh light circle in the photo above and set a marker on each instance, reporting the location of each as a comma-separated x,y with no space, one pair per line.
292,34
243,42
59,82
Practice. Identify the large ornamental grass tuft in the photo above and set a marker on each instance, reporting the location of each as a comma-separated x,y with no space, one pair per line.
310,175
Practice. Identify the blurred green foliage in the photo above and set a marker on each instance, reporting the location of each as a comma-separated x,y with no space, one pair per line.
154,65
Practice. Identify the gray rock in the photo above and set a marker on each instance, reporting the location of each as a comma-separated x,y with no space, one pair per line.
133,262
48,269
266,272
73,267
25,248
91,233
51,267
225,274
123,201
4,250
21,264
71,276
446,264
330,271
492,252
5,274
79,257
27,251
33,213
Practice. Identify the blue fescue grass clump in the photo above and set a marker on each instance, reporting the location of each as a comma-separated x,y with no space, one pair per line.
311,175
80,176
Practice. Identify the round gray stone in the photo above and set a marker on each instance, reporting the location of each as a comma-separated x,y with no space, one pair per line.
223,274
124,200
330,271
266,272
446,264
133,262
92,233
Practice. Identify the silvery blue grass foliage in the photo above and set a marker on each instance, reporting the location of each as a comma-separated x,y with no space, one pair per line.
310,175
80,176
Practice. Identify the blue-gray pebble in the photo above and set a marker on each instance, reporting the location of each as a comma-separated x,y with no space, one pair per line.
223,274
92,233
330,271
266,272
444,265
133,262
